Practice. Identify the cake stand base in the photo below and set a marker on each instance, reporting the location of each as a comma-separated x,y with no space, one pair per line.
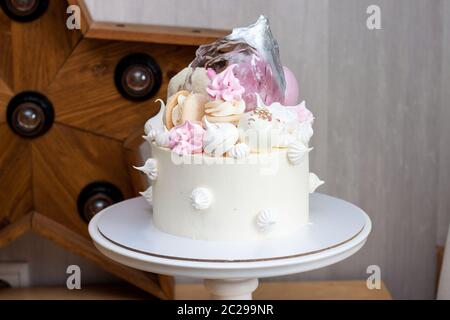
231,289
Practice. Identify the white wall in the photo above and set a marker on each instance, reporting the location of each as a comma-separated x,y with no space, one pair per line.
381,103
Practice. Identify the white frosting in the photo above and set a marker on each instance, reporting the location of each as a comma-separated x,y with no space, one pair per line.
240,191
148,195
266,220
305,133
149,168
314,182
219,138
201,198
297,152
239,151
163,139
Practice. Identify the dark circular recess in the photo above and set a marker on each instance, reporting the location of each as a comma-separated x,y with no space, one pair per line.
95,197
30,114
138,77
24,10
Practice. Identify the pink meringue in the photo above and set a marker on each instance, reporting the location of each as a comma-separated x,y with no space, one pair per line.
304,115
225,86
186,138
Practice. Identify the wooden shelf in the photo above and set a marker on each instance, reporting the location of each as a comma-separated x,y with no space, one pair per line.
318,290
310,290
153,33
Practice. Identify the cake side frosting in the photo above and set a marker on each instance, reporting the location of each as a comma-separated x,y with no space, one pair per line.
230,201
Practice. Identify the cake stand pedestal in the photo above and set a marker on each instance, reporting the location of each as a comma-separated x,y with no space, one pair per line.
126,234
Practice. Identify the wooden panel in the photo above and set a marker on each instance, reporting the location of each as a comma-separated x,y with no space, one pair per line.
317,290
154,33
13,231
5,50
64,162
40,47
83,247
16,198
5,96
85,96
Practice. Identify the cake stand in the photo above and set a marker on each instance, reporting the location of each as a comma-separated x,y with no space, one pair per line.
126,234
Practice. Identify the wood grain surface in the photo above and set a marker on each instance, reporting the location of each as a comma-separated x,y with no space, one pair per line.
64,162
5,50
16,198
5,96
85,96
72,241
40,48
15,230
292,290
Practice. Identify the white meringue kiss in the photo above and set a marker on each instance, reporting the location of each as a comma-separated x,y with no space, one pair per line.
314,182
148,195
155,125
297,152
266,220
150,168
239,151
219,138
201,198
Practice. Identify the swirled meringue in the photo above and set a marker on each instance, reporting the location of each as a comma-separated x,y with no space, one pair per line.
297,152
314,182
163,139
150,168
219,138
148,195
239,151
225,86
201,198
155,124
266,220
187,138
151,135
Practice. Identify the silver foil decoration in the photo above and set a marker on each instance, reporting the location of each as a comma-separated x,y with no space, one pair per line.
256,52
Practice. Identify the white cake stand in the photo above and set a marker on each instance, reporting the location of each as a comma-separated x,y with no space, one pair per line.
125,233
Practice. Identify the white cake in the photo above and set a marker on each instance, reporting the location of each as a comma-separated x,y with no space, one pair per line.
227,164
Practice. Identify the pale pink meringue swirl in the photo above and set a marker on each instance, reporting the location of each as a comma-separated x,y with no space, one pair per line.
225,85
304,114
186,138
